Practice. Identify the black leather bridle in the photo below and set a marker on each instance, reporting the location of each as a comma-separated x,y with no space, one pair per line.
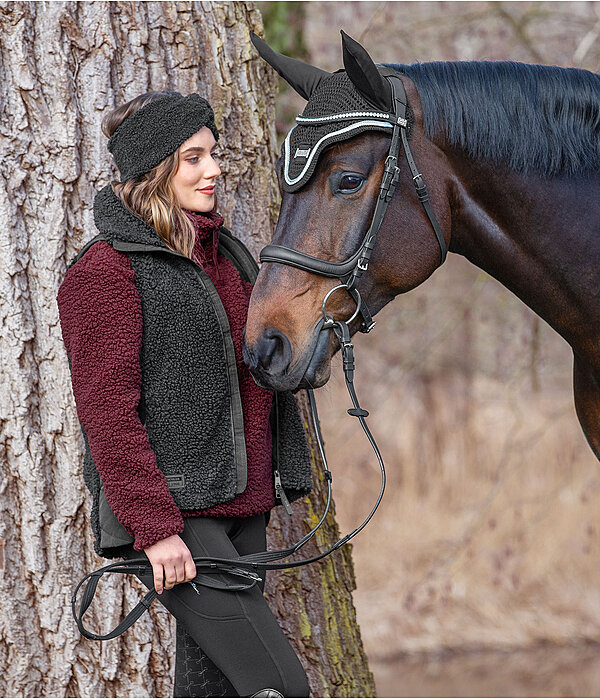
349,271
242,570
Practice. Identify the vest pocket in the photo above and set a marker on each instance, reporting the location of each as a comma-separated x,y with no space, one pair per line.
112,533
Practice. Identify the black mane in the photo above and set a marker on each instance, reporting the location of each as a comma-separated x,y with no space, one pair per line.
533,118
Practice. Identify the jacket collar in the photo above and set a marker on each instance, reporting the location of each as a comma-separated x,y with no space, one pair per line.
116,221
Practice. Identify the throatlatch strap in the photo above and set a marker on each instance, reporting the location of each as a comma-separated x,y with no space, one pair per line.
423,196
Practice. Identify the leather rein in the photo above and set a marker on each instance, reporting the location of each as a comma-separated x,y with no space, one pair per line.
242,571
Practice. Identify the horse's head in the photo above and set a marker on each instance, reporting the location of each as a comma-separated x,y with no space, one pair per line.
329,174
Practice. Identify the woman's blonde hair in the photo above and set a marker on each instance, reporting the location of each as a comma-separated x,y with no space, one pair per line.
150,196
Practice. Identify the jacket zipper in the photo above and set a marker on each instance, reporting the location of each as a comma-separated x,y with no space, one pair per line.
279,492
281,495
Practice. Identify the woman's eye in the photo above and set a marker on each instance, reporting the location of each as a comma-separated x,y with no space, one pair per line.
194,159
350,183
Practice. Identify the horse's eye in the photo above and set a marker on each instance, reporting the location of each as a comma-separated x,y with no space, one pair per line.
350,183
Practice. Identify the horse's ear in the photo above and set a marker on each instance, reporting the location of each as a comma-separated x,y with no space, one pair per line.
364,74
303,77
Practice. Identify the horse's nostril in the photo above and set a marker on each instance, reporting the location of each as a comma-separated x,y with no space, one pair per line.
273,352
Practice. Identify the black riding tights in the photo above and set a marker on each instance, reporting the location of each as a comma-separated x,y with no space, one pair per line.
227,633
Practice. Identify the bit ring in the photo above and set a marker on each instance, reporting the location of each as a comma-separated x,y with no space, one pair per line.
329,321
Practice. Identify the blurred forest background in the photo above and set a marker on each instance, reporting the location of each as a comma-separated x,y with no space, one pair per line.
480,573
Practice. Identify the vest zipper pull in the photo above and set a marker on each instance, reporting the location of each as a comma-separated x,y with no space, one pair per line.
280,493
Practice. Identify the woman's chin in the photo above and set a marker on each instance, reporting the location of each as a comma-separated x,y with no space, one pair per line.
203,203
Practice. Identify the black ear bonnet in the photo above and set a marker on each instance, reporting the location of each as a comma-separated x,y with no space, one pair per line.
336,109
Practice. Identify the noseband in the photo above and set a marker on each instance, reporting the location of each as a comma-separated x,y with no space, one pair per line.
349,271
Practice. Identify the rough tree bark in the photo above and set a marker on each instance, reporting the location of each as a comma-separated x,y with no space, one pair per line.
64,66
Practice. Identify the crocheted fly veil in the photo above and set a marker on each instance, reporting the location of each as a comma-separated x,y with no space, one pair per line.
340,105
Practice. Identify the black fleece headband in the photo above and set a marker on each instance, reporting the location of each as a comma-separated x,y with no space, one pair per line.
154,131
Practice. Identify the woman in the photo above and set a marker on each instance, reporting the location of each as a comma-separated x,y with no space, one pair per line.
183,449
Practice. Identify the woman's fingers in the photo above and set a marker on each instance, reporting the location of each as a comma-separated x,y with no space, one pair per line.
158,577
179,573
172,563
190,569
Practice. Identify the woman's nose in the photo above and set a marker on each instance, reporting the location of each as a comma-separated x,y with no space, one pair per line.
214,170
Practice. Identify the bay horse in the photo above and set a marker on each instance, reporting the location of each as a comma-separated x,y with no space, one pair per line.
510,153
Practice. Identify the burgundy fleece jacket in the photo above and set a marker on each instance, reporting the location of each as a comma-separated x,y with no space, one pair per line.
111,406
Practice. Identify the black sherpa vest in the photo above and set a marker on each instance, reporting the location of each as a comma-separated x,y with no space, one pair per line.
190,400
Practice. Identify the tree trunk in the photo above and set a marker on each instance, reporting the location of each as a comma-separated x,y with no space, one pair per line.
65,65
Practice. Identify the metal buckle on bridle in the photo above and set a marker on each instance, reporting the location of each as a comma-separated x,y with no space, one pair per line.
391,175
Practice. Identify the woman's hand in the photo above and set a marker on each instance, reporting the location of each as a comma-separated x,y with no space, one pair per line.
171,557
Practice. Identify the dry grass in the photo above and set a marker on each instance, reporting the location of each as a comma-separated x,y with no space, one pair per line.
543,671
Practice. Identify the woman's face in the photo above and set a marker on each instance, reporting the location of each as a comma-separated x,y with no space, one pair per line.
194,181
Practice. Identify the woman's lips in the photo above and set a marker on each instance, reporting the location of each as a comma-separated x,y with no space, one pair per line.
207,190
